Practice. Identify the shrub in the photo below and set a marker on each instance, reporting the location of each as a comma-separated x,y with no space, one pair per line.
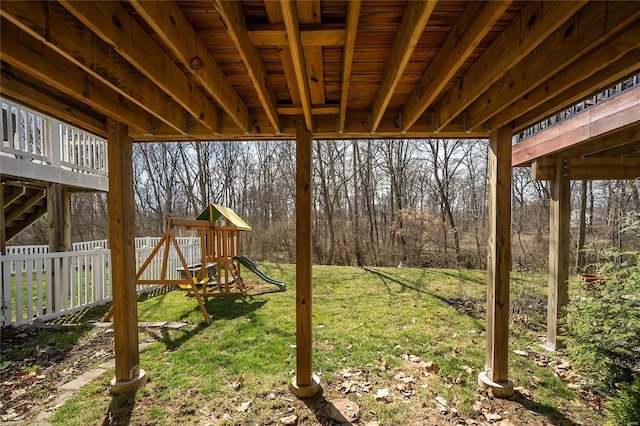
603,325
624,408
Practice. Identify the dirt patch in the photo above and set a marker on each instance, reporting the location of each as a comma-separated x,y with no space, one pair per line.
37,359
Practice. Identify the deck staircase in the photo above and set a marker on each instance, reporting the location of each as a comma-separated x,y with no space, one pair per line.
38,150
23,205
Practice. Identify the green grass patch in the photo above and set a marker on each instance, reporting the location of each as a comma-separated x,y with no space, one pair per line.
367,321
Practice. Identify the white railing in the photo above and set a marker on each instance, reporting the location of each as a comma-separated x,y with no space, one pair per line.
35,137
41,285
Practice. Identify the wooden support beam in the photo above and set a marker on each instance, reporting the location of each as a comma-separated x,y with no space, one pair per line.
292,24
353,15
599,168
305,383
579,36
616,59
309,13
356,126
113,24
316,110
582,88
274,12
609,117
414,19
52,25
27,90
496,373
236,23
559,227
318,38
476,21
27,55
169,23
536,21
129,375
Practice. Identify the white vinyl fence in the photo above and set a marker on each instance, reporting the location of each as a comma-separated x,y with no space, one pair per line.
41,285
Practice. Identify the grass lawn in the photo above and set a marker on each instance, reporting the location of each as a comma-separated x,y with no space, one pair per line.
419,333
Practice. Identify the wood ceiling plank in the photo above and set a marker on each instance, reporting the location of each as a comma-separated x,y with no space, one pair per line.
470,29
233,16
580,90
52,25
113,24
169,23
292,24
309,12
414,20
535,22
274,12
30,56
579,36
353,14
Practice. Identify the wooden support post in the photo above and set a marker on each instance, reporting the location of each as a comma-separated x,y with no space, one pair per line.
3,231
129,375
559,217
59,217
495,375
305,383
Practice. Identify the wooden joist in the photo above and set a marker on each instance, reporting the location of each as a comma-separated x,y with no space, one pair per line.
274,13
580,90
233,16
414,20
474,24
353,14
536,21
170,24
309,13
292,24
616,59
113,24
574,39
29,91
29,56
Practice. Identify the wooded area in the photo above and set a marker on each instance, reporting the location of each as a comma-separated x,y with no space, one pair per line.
376,202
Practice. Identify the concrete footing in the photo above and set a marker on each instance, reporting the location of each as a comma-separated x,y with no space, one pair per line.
499,390
306,391
129,385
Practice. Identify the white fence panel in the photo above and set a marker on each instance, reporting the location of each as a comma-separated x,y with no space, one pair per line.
81,276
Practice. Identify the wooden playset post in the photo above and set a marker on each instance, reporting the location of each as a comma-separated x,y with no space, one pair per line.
129,375
495,374
305,383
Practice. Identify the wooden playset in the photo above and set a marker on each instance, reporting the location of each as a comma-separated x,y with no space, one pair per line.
220,230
